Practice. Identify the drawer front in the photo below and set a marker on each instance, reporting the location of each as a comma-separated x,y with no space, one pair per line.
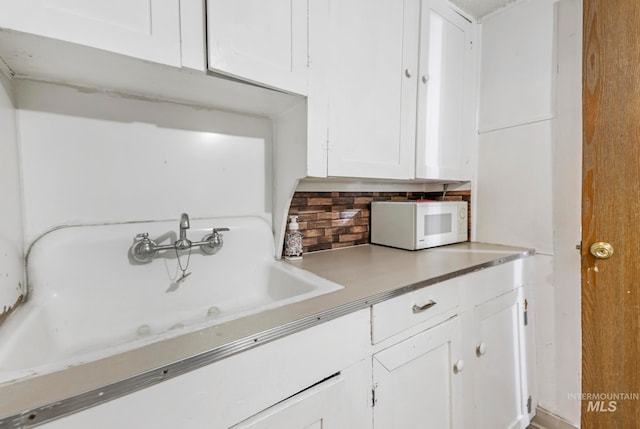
395,315
482,286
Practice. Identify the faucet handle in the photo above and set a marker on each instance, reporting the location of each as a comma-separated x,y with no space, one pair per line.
213,241
144,249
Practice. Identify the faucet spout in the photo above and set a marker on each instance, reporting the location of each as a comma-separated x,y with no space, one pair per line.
184,225
183,242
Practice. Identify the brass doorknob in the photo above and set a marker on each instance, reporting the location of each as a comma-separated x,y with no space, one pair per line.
601,250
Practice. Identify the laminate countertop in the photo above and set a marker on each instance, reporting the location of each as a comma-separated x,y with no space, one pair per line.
372,269
369,274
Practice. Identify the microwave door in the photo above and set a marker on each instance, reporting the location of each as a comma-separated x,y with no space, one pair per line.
435,227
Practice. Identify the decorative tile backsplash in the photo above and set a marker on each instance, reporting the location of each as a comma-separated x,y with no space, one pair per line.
329,220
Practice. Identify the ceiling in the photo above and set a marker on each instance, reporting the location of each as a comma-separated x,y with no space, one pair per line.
480,8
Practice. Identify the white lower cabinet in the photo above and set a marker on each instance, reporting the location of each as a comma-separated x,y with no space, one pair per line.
499,366
498,340
286,383
418,382
338,402
468,364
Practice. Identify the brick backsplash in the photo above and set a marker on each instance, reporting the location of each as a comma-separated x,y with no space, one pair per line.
329,220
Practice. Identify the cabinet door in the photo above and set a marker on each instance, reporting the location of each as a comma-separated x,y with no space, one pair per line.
336,403
445,102
418,382
146,29
260,41
372,67
500,376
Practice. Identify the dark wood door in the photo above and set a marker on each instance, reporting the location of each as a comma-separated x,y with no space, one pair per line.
611,214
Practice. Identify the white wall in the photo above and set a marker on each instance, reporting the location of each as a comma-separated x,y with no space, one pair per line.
91,158
11,247
529,172
514,154
523,34
515,185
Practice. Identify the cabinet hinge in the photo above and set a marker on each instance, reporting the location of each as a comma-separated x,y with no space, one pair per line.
526,317
529,403
374,400
326,142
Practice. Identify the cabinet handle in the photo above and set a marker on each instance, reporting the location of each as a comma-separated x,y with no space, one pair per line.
481,349
458,366
417,309
425,78
407,72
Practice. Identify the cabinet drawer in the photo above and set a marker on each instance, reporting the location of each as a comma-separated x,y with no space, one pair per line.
395,315
482,286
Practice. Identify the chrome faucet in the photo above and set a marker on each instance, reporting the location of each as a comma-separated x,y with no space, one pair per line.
183,243
145,249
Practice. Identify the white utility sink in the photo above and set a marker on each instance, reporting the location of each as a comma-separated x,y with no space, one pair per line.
88,299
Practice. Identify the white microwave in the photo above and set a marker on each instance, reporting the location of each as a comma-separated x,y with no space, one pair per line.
414,225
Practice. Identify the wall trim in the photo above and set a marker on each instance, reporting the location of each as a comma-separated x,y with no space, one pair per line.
6,81
507,125
546,420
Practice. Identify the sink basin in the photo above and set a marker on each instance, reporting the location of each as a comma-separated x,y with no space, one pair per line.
87,298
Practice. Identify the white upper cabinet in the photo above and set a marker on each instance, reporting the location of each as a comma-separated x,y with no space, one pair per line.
371,120
400,78
445,94
261,42
146,29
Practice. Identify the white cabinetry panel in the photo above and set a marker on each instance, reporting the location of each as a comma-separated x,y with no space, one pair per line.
232,390
372,88
500,377
263,42
498,340
396,315
400,79
146,29
445,94
336,403
416,380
